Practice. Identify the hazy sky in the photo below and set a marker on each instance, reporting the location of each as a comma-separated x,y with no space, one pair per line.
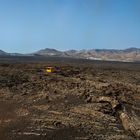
30,25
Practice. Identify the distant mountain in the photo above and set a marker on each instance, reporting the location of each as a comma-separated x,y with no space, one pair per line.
17,54
130,54
48,52
129,50
3,53
127,55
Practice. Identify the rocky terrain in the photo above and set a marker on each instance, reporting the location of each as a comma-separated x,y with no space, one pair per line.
84,100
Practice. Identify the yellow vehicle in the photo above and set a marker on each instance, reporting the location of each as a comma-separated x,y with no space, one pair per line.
50,70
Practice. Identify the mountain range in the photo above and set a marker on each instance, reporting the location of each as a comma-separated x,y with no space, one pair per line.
128,55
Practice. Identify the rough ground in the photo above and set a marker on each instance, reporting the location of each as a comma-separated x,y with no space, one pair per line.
84,101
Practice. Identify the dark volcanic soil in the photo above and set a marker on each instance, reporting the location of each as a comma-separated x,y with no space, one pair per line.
85,100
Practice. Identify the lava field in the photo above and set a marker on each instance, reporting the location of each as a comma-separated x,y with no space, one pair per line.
85,100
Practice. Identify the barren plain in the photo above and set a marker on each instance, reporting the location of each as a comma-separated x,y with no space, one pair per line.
85,100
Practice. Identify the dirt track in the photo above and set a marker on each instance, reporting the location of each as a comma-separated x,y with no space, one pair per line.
86,100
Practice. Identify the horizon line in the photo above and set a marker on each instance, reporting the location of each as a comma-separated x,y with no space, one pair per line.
72,49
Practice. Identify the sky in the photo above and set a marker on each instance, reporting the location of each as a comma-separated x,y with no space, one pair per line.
30,25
